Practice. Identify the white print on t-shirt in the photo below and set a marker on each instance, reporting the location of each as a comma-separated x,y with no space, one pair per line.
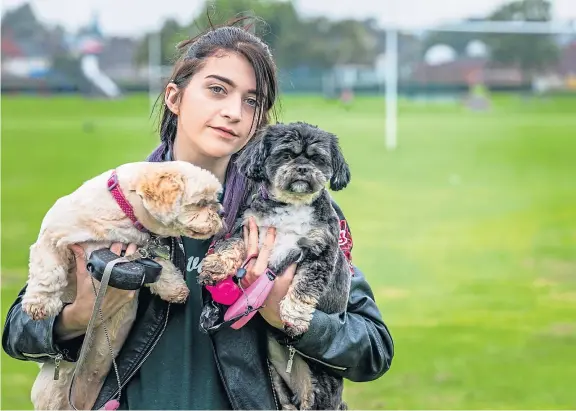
194,263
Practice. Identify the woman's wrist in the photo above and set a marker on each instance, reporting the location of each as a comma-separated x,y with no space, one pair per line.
68,325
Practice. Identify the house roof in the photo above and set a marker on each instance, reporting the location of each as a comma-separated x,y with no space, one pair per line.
10,48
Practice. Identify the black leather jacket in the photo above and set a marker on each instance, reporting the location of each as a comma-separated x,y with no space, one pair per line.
355,345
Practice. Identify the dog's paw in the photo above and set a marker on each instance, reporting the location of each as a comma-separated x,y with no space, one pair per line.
296,329
216,267
173,289
170,285
41,307
179,294
295,315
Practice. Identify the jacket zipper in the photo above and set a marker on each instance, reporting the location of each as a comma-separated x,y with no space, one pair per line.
272,383
228,393
180,244
57,360
226,386
293,350
148,352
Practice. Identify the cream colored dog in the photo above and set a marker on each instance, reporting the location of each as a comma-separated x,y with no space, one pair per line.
170,199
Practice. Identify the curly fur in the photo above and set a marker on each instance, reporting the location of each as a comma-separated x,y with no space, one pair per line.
170,199
293,163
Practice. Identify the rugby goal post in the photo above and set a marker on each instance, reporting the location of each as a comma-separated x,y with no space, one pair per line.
391,56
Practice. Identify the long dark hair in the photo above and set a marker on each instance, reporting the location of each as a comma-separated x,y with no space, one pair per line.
233,36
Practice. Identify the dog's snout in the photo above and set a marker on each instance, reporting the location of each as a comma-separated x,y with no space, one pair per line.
221,212
301,169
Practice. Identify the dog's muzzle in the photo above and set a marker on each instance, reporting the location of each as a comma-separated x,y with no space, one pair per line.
304,180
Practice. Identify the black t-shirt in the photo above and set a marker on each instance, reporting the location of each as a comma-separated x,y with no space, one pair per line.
181,371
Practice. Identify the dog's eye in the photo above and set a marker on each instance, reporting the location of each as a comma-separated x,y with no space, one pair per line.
320,160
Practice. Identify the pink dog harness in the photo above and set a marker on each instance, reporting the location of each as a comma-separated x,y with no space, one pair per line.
114,188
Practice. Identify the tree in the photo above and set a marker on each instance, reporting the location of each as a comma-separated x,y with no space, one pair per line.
294,41
170,34
532,53
22,23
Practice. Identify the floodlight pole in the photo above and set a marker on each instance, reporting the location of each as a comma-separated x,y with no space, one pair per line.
391,84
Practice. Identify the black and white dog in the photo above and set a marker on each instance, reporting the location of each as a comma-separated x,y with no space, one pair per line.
293,163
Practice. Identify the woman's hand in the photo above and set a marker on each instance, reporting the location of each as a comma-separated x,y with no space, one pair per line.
74,318
271,310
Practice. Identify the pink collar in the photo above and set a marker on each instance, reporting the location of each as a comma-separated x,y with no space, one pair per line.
114,189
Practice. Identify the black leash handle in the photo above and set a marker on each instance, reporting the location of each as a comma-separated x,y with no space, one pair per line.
126,275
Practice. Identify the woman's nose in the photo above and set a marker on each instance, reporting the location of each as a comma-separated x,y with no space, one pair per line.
233,109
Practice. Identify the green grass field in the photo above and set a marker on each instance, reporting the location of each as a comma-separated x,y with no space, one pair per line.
467,234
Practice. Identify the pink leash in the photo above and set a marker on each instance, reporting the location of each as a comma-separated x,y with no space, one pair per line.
243,302
252,300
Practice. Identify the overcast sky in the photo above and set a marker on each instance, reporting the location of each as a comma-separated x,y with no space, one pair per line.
132,17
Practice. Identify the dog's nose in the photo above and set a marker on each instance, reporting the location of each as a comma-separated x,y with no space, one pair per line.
221,212
302,169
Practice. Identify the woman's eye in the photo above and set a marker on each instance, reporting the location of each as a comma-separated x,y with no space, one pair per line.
217,89
252,102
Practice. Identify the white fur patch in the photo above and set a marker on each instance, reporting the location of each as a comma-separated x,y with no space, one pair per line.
292,223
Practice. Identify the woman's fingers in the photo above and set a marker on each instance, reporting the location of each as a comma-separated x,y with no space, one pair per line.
254,269
122,249
80,257
117,248
131,249
246,235
252,237
265,251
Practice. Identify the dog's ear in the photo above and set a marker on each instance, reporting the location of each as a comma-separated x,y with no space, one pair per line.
161,194
340,170
250,162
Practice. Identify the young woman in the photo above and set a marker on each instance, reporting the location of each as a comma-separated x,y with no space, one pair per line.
223,89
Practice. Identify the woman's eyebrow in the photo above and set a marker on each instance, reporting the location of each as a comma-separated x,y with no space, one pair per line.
227,81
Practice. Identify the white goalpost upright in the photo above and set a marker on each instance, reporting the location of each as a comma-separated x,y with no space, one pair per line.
391,82
391,67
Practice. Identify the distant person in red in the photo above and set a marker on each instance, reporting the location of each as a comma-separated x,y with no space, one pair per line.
346,98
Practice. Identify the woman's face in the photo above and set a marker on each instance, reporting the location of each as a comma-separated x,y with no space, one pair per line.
217,108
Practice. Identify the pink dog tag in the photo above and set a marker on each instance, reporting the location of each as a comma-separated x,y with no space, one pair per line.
225,292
